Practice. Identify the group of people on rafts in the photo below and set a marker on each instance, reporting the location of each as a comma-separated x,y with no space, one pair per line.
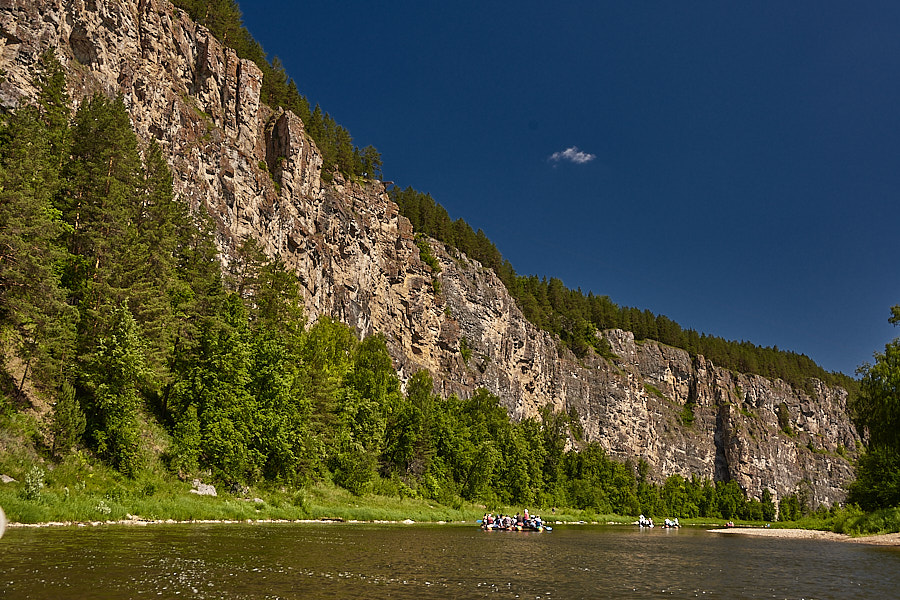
520,522
648,522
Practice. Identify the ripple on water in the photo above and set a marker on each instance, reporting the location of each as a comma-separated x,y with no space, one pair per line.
423,562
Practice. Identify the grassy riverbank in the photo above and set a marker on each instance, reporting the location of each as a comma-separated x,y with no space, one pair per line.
849,520
74,492
80,489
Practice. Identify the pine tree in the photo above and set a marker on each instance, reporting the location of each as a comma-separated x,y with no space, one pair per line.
32,305
54,106
68,421
152,260
198,292
102,205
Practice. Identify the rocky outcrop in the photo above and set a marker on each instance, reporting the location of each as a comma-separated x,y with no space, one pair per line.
255,171
203,489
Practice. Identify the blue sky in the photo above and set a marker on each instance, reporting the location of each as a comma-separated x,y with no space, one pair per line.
733,166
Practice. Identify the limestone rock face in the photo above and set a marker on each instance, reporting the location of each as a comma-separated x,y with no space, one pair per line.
258,174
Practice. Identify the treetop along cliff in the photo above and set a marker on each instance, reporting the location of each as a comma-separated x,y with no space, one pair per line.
223,18
576,317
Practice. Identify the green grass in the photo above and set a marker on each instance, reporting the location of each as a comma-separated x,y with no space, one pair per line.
652,389
849,520
80,489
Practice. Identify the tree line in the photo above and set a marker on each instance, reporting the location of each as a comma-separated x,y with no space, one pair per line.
576,317
116,309
224,20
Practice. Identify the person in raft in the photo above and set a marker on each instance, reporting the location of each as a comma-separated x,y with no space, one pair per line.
508,523
672,523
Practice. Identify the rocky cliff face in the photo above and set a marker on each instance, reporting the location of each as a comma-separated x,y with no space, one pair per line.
258,174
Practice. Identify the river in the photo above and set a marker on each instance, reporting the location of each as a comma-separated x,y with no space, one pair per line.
422,562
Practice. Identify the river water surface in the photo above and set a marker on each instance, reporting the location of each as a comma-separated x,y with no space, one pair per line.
432,561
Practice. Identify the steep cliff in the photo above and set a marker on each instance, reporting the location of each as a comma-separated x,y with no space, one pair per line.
258,174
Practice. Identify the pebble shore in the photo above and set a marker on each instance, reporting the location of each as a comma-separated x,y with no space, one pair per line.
886,539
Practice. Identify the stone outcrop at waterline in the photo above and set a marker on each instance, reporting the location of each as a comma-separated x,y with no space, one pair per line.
259,175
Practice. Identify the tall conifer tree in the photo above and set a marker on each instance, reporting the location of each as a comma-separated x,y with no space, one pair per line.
105,183
33,142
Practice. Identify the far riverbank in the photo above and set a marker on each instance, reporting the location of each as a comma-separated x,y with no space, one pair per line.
885,539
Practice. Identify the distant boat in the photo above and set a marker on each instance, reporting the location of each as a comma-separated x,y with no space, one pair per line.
514,527
517,528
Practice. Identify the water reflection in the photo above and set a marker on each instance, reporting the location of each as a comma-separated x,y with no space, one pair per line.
423,562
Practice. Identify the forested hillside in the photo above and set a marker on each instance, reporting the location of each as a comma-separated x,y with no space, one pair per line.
117,318
125,344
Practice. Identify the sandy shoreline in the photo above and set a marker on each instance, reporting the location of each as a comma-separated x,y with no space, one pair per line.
887,539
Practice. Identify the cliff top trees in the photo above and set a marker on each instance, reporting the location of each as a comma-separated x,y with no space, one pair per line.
574,316
224,20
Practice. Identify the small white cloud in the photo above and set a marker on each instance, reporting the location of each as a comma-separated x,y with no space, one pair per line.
573,155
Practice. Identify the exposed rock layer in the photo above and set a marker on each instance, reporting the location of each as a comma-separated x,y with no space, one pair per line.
357,260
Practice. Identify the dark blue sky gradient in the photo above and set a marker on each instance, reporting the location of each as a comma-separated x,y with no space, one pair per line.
747,156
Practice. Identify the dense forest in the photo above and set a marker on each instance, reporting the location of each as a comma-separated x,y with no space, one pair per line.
115,311
576,317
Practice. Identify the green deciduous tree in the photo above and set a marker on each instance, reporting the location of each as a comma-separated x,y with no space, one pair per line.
110,380
408,431
768,506
212,393
876,411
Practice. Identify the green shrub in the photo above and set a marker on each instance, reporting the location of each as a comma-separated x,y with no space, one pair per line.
426,254
464,350
34,483
784,418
